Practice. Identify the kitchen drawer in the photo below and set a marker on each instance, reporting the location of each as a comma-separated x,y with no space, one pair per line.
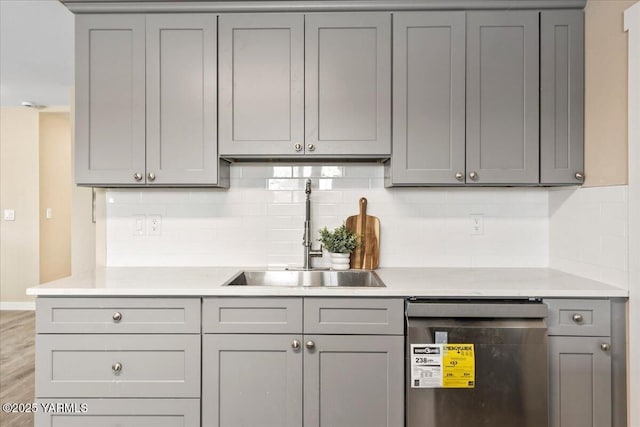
86,366
118,315
119,413
252,315
582,317
372,316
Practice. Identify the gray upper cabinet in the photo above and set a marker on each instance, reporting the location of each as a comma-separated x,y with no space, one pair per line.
146,101
428,98
181,99
261,63
348,84
305,85
561,97
110,99
503,97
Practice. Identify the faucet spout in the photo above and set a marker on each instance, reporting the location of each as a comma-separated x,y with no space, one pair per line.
309,252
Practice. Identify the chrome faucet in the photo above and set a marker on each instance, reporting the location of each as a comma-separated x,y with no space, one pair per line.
309,252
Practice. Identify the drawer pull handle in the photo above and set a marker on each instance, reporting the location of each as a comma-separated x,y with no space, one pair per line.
117,316
605,347
310,345
295,344
116,367
577,317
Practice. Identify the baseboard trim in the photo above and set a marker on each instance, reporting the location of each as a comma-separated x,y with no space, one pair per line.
18,305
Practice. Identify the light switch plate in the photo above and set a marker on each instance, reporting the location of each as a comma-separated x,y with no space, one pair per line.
139,225
9,215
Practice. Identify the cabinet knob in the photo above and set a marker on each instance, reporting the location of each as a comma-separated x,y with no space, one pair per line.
295,344
459,176
579,176
605,347
577,317
310,345
137,176
116,367
151,176
298,147
311,147
117,316
473,176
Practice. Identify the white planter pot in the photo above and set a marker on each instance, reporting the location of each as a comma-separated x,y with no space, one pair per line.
340,261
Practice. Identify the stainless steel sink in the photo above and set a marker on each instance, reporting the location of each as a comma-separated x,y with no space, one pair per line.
350,278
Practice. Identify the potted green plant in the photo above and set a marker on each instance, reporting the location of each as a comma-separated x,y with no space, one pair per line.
340,243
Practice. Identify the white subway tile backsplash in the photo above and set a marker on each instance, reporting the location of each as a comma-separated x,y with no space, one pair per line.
588,232
258,222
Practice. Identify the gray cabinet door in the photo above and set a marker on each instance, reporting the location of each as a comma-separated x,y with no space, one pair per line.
502,97
348,84
561,96
110,99
428,98
261,63
119,413
353,381
251,380
580,377
181,99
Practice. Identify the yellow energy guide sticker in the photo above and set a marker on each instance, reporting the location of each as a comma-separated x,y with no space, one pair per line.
458,366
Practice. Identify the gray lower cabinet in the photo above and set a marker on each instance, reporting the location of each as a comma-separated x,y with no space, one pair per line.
428,98
118,413
146,98
118,361
311,379
502,97
353,381
562,97
582,362
580,380
252,380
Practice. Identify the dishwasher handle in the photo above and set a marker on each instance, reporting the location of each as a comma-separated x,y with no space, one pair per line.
484,310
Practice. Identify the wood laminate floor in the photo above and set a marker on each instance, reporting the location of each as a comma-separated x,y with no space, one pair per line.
17,337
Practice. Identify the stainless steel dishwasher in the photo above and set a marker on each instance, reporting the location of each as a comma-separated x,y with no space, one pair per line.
476,363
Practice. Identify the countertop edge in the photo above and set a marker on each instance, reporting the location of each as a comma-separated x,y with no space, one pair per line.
497,283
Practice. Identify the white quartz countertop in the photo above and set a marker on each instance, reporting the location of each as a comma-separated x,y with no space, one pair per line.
401,282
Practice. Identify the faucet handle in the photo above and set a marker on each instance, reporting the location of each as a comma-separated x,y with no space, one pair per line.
316,252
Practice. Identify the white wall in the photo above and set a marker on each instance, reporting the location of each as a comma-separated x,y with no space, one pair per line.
632,24
259,220
19,239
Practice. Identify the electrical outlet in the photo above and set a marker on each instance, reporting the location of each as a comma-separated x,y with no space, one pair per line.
139,225
154,225
477,224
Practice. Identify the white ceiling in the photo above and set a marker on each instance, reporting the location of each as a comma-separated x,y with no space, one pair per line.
36,52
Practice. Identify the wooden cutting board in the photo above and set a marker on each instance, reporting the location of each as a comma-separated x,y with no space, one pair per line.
367,255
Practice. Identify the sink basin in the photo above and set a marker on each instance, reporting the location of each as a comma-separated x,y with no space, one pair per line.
351,279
